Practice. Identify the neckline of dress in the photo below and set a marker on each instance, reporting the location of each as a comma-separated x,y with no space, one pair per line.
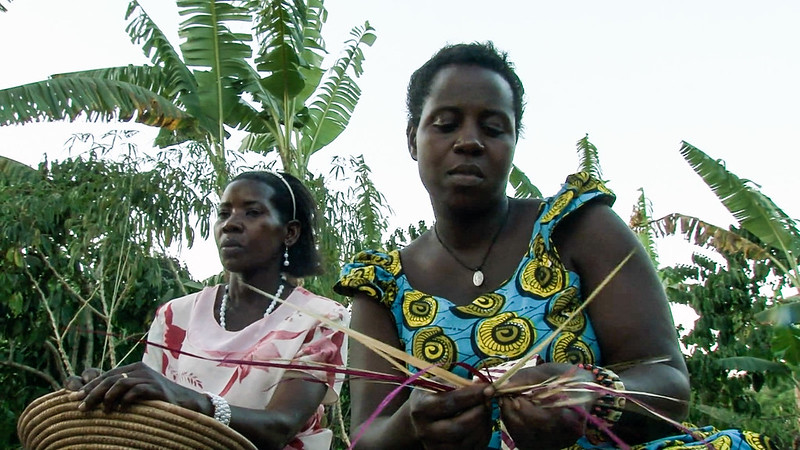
213,302
520,265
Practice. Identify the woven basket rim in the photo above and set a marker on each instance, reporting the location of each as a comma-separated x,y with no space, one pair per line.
52,421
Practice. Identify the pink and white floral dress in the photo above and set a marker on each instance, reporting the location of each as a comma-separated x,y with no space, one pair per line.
196,346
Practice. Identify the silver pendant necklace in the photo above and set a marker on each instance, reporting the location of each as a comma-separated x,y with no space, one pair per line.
477,272
223,305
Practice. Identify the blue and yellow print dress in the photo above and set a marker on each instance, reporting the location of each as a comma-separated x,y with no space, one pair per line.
498,326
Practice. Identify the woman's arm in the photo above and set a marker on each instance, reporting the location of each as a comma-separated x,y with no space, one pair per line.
295,400
630,316
633,324
456,419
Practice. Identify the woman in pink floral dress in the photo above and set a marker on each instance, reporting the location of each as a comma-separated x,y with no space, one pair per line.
200,345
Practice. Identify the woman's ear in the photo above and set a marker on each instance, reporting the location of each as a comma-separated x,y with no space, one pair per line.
292,232
411,136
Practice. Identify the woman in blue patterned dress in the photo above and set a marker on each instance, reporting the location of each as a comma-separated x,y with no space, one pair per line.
496,276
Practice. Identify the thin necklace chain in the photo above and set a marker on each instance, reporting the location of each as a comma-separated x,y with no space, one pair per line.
223,305
477,278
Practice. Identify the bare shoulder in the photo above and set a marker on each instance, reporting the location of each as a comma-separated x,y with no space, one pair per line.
593,231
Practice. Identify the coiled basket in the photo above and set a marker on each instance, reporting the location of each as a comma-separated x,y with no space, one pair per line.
54,422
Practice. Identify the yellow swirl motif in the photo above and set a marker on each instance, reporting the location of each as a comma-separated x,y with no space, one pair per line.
537,246
582,182
558,206
490,361
361,279
757,441
419,309
720,443
432,345
505,335
487,305
569,348
561,308
393,264
390,293
543,276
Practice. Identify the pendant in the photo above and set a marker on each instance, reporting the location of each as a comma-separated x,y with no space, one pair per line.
477,278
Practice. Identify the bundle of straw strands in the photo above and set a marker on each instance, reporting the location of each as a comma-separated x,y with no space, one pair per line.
54,422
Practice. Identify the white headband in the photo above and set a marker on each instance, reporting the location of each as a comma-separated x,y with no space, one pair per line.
291,192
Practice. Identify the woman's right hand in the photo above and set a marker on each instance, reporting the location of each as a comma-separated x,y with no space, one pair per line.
75,382
132,384
459,419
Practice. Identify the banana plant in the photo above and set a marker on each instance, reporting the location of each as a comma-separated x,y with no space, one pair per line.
778,241
208,87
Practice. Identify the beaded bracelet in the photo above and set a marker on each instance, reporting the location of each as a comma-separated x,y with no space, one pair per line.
222,410
608,407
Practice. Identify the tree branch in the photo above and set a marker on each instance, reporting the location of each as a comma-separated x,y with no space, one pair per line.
47,377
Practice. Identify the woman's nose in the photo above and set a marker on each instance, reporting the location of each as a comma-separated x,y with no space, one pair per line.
232,223
468,141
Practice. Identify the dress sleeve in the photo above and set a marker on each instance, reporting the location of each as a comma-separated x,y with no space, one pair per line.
372,273
325,345
579,189
154,356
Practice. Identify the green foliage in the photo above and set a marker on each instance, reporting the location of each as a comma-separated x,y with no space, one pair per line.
640,224
83,264
210,88
523,188
754,211
730,357
354,218
268,82
589,158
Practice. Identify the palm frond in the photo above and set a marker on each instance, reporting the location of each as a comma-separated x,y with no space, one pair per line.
151,78
210,44
786,344
4,8
754,211
589,158
208,41
313,51
280,29
640,224
782,315
523,188
13,172
97,99
332,111
707,235
260,143
177,80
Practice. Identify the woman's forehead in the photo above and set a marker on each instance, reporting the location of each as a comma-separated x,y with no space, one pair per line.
466,84
246,190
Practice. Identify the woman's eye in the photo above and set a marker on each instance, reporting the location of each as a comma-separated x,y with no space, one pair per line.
493,131
223,214
444,126
253,212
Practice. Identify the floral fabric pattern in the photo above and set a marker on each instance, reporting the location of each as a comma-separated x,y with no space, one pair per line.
198,348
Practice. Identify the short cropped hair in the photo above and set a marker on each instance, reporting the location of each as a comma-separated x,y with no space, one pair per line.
481,54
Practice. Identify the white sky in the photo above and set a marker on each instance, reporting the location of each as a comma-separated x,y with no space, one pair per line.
638,76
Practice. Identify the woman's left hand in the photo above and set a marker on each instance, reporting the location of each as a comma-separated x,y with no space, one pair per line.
540,424
131,384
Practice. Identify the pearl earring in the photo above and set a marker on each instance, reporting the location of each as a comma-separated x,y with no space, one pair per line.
286,257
